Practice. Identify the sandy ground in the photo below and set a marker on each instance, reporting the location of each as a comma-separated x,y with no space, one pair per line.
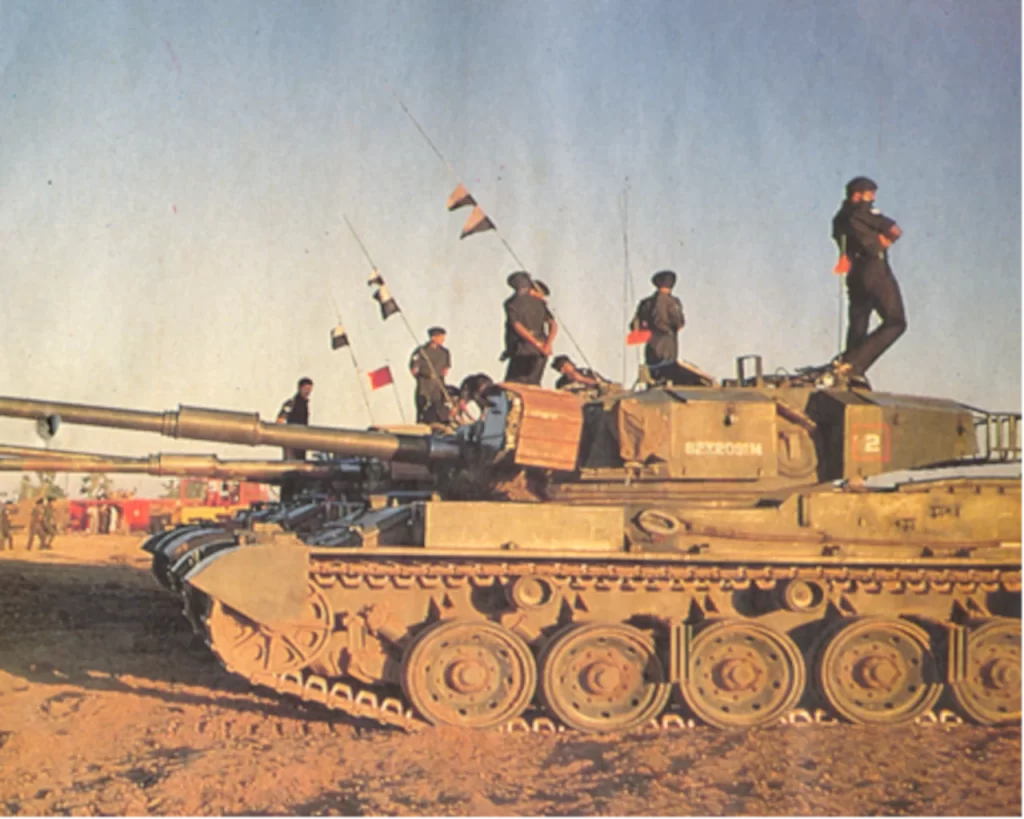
108,705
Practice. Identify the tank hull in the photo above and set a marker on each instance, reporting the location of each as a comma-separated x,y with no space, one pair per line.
860,606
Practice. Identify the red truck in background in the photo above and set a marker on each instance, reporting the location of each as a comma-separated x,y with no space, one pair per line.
198,499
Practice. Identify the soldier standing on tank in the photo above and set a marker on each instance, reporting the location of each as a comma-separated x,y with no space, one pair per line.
661,313
429,364
35,525
530,330
864,236
6,527
296,411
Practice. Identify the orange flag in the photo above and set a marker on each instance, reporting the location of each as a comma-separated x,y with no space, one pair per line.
477,222
638,337
842,266
460,197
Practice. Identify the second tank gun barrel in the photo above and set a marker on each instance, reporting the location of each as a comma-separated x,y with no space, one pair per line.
201,424
28,459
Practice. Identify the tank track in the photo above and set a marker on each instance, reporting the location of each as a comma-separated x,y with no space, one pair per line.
392,710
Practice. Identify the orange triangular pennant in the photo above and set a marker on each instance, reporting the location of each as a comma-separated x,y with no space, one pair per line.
842,266
460,198
477,222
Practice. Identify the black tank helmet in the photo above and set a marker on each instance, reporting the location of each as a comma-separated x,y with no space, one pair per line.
860,184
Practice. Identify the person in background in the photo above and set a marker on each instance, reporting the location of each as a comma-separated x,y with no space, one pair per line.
296,411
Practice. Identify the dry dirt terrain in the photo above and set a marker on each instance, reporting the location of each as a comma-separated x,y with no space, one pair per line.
109,705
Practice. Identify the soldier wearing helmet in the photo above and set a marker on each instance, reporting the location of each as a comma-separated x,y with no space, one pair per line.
864,235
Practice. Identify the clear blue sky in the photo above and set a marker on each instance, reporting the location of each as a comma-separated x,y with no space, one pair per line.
173,177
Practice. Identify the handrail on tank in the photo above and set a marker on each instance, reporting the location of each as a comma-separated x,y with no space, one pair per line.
198,423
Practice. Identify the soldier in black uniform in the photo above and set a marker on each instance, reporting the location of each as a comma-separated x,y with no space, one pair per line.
530,330
429,365
580,380
662,314
296,411
864,236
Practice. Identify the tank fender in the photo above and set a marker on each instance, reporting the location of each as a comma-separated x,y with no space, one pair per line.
267,583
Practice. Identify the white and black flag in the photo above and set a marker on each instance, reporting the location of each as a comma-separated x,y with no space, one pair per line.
388,305
339,338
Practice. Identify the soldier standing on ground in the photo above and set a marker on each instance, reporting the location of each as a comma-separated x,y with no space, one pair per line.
48,526
296,411
6,527
429,365
35,525
530,330
864,237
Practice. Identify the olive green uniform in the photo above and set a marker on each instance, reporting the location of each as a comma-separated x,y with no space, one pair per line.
6,529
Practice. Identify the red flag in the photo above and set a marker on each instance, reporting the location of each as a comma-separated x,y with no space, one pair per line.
842,266
638,337
477,222
460,198
380,378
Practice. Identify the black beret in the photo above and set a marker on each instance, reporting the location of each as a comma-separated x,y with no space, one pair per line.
559,361
437,331
860,184
519,280
542,287
664,278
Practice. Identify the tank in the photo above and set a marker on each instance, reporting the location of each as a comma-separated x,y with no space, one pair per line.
731,554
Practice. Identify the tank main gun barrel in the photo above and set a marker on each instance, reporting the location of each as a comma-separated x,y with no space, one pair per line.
201,424
28,459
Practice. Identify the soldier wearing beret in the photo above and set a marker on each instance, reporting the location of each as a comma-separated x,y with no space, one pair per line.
429,365
864,235
530,329
662,314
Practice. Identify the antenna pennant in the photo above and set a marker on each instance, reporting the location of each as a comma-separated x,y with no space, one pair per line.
460,198
339,338
477,222
388,305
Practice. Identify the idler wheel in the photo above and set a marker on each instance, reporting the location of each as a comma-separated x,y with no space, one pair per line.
742,674
248,647
879,670
990,690
602,677
469,673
